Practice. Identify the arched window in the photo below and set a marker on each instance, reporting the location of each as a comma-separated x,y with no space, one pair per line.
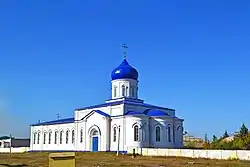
44,138
34,138
123,90
73,136
61,137
50,133
95,133
169,134
136,133
115,91
38,137
157,134
132,91
67,137
56,134
81,136
114,134
173,133
126,91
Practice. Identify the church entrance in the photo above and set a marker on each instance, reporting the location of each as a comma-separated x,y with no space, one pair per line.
95,144
94,140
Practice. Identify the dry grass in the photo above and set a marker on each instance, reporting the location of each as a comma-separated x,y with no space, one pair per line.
111,160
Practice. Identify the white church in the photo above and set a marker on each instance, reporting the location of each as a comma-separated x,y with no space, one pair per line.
123,122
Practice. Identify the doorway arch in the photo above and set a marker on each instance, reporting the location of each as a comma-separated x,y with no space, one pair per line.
94,139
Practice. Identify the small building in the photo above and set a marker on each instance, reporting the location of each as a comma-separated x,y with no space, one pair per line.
190,138
6,142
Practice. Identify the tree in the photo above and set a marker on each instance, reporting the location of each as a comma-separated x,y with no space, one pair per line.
206,144
225,135
243,130
191,145
214,138
205,139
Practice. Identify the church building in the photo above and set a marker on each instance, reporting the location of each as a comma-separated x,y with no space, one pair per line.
122,122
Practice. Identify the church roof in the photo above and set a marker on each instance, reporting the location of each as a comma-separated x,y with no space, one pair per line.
59,121
98,112
155,113
124,71
102,113
126,101
149,112
133,113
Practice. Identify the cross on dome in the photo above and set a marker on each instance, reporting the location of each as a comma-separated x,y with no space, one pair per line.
124,70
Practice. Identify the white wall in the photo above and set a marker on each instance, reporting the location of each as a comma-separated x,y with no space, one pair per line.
14,150
94,120
53,128
99,123
210,154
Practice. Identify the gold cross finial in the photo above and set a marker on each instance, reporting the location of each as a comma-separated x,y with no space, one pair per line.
124,52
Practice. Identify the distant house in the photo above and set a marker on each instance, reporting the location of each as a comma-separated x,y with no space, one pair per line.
6,142
231,137
192,141
189,138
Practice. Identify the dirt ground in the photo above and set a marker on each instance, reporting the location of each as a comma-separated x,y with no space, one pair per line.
111,160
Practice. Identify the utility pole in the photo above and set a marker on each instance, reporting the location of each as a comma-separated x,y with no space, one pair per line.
118,142
10,143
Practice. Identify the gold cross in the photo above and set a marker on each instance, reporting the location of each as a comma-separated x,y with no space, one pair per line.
124,46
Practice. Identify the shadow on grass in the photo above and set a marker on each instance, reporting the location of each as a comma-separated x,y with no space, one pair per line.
8,165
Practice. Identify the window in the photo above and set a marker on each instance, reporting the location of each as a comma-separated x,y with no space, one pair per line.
126,91
132,91
38,137
136,133
115,91
173,133
95,133
73,136
169,134
61,137
34,140
44,138
157,134
81,136
114,134
50,133
123,90
67,137
56,133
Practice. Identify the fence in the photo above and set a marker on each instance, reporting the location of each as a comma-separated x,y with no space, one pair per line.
14,150
210,154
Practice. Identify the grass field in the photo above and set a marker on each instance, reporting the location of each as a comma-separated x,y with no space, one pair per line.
111,160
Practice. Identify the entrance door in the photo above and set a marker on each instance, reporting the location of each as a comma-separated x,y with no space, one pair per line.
95,144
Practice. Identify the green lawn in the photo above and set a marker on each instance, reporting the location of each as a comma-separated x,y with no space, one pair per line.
110,159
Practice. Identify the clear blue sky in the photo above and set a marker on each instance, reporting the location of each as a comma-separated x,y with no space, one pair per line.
193,56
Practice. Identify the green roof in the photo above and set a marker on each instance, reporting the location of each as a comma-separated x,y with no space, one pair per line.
4,137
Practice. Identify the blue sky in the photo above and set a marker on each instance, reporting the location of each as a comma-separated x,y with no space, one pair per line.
192,56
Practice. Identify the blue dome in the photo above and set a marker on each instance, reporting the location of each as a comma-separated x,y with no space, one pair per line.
124,71
155,113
